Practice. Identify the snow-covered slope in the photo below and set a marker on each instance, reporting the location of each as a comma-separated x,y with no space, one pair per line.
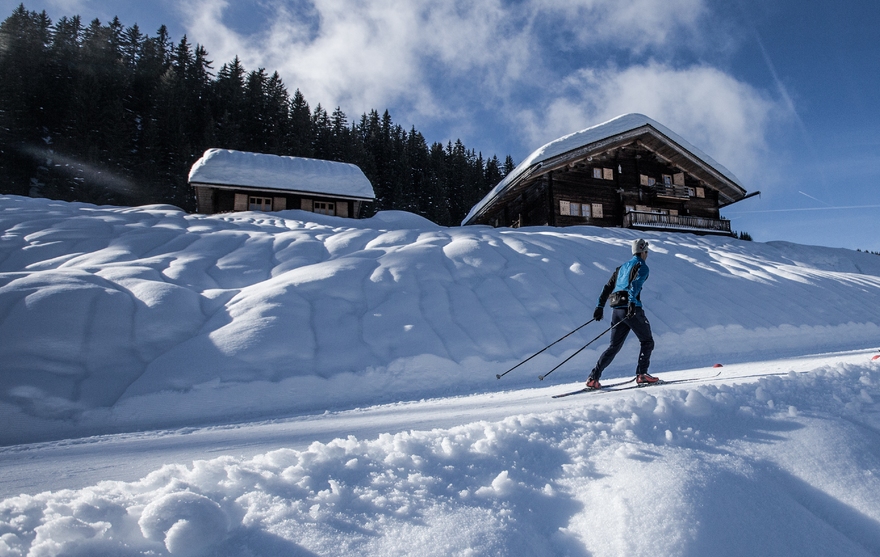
117,319
132,319
784,465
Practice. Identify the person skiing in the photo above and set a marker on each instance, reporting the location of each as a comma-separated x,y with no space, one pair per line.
624,289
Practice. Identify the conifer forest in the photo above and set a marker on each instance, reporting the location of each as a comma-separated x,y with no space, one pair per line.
105,114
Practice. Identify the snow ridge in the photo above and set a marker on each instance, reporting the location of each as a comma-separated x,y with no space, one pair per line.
116,319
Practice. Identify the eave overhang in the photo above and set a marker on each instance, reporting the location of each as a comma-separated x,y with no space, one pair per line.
303,193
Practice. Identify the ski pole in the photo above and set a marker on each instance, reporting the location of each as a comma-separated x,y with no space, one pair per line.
541,377
499,376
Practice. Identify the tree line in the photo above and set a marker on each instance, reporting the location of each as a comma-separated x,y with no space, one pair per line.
106,114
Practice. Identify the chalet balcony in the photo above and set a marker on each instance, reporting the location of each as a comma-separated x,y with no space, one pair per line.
654,221
671,192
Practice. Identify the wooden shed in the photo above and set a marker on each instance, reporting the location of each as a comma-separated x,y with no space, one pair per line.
630,172
226,181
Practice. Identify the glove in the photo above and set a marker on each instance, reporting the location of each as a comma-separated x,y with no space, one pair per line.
598,313
631,310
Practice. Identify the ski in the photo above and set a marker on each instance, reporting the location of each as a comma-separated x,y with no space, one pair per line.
589,390
614,387
661,382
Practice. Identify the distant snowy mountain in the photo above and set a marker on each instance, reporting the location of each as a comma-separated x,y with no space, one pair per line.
116,319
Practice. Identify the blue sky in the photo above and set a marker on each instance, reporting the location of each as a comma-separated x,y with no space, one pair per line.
783,93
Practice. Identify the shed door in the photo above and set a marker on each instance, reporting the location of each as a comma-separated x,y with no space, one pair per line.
241,202
325,208
259,203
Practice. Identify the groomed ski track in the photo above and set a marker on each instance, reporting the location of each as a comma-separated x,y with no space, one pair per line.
75,463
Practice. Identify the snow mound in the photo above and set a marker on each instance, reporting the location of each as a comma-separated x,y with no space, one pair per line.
400,220
187,523
116,319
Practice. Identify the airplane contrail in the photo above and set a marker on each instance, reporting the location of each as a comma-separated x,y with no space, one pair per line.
814,198
806,209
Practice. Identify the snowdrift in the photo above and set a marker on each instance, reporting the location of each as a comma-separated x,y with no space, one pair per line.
786,467
116,319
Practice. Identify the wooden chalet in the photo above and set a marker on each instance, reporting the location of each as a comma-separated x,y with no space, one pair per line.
226,181
629,172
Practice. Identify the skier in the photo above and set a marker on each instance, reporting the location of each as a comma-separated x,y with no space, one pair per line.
624,289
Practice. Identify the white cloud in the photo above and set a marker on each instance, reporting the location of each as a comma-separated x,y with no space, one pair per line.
370,54
631,24
540,64
374,53
66,7
726,118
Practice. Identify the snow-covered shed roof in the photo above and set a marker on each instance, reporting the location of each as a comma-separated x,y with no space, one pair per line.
619,131
227,169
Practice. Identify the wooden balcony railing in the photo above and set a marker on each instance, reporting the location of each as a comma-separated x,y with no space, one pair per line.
656,221
671,192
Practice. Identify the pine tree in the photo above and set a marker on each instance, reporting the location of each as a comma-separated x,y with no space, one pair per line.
436,194
300,133
322,133
277,115
229,104
24,65
131,46
509,166
253,116
340,148
493,173
417,179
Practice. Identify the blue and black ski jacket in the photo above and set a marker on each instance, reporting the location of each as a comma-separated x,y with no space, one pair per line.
625,284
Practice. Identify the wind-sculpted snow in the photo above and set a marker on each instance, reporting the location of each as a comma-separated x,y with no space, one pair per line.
787,466
116,319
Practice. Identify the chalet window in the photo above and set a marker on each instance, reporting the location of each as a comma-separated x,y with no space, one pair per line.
597,211
701,192
573,209
325,208
678,179
692,192
652,182
597,173
260,204
667,180
608,173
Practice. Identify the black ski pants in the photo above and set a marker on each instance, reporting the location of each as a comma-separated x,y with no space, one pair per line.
622,324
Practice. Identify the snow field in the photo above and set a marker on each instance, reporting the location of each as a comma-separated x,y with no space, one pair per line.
122,319
135,319
791,460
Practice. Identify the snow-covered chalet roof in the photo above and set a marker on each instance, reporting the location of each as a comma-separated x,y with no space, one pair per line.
226,168
627,127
